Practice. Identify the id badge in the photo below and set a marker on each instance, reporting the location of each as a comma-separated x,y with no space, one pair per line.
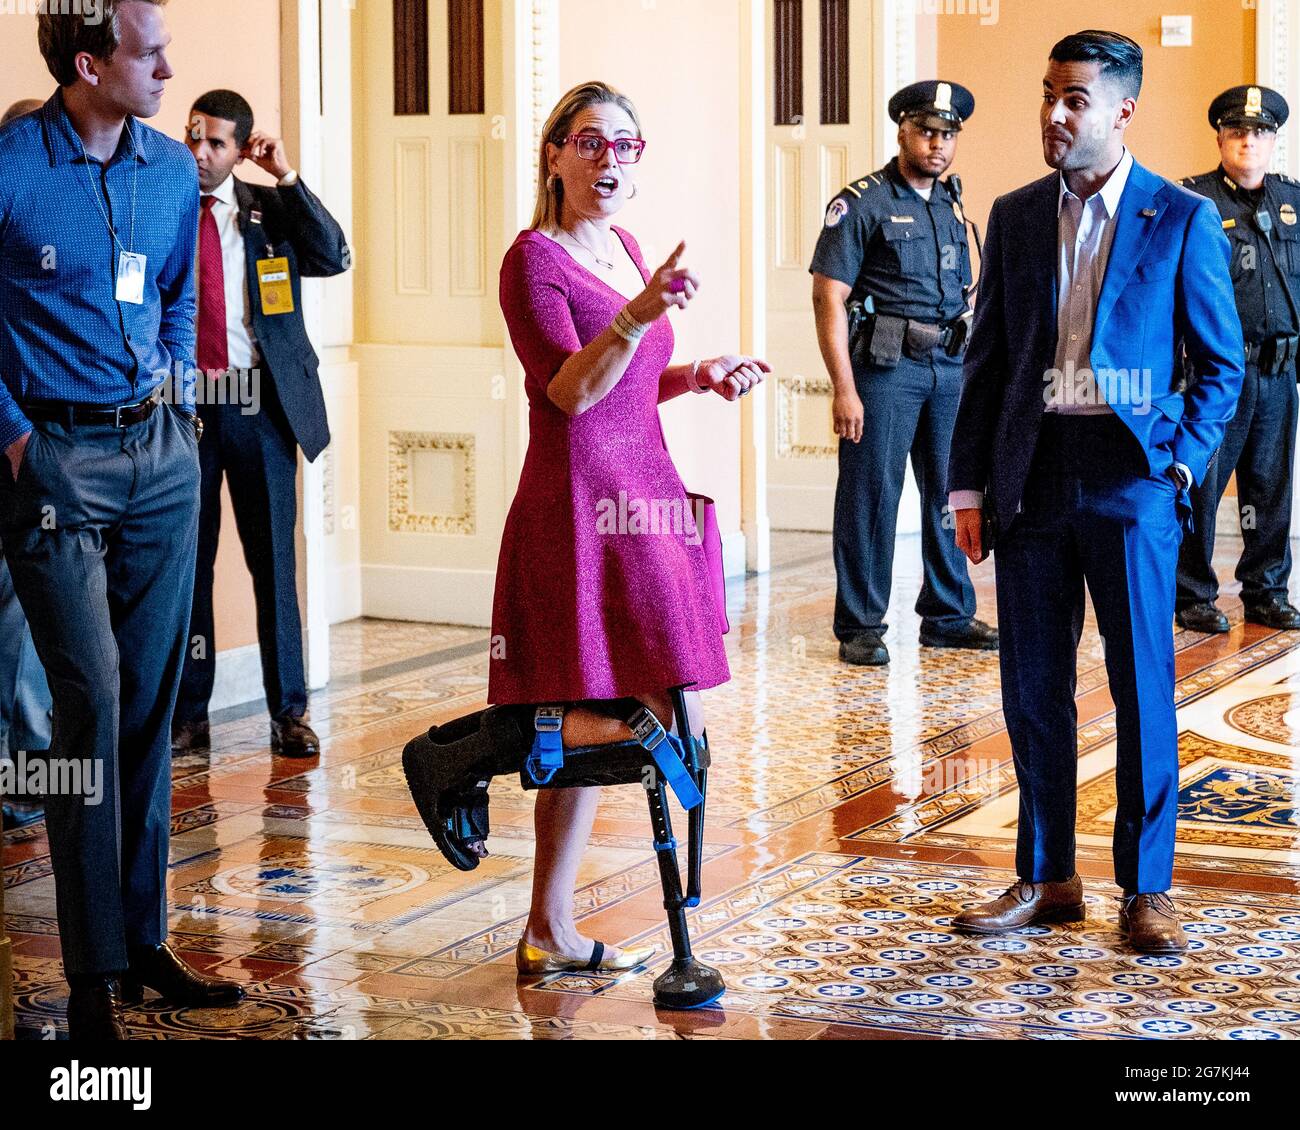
276,286
130,277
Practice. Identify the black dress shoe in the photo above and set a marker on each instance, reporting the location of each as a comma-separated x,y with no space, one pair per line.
191,737
866,650
974,634
18,815
1275,612
158,968
94,1009
1202,618
292,737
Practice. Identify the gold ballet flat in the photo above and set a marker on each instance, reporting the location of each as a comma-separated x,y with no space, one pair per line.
534,962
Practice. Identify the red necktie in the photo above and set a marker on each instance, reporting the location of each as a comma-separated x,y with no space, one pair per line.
213,352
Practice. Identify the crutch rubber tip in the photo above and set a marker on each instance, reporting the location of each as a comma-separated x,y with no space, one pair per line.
688,984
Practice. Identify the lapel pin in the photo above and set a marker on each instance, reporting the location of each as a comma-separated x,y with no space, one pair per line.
1149,213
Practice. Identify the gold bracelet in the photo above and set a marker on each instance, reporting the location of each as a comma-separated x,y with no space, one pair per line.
628,328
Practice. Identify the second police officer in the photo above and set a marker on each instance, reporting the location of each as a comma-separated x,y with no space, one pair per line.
891,277
1260,211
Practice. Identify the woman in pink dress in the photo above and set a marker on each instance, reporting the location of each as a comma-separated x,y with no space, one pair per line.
585,609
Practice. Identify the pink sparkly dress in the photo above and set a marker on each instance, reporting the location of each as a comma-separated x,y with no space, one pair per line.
584,607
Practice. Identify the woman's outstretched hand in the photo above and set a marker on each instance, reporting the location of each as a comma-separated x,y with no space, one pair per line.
670,286
732,375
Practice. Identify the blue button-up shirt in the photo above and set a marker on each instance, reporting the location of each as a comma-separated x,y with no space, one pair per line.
63,334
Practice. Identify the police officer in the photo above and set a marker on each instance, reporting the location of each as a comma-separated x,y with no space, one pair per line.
1259,211
891,277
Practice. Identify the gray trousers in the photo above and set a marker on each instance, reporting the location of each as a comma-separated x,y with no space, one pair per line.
99,531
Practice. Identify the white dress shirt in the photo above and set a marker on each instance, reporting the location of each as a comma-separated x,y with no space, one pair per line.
1085,230
241,344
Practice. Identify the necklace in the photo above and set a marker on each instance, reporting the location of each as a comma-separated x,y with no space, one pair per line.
564,237
135,182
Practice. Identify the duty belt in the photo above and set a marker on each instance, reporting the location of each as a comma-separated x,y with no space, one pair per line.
920,339
1273,354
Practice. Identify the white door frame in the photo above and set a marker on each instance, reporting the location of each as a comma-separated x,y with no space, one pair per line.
303,126
755,521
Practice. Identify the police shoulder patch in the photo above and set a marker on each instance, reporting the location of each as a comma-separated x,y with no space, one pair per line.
836,212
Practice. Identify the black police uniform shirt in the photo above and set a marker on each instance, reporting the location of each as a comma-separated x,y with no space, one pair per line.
1261,302
882,238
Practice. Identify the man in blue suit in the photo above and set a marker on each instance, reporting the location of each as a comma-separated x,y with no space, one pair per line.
1075,446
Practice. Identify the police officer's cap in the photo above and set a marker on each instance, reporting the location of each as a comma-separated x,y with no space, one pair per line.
933,104
1249,106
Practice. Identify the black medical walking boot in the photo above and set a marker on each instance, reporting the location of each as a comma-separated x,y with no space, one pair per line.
1202,617
865,650
974,635
448,771
1273,612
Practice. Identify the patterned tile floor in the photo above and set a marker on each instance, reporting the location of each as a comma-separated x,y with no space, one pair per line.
852,813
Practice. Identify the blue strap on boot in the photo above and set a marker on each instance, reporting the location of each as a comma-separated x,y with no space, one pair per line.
547,755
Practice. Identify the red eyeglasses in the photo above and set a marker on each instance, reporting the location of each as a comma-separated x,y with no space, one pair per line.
591,147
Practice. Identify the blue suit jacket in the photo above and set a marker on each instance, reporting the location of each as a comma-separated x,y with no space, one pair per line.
1167,280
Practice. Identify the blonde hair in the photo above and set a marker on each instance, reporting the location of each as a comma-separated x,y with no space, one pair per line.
550,198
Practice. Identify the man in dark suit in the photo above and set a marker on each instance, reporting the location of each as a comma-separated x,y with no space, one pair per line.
1075,447
261,402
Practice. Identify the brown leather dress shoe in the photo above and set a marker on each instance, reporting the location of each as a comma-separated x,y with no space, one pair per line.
191,737
1022,904
94,1008
292,737
158,968
1150,922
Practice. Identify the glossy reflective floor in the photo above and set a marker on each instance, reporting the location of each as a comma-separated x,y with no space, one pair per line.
852,813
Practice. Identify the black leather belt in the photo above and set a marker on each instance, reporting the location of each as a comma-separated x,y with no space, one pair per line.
63,412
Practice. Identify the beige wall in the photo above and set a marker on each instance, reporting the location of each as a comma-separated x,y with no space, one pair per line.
231,43
1003,64
679,62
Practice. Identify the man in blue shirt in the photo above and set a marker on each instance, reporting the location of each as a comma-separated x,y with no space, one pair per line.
99,486
1075,447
